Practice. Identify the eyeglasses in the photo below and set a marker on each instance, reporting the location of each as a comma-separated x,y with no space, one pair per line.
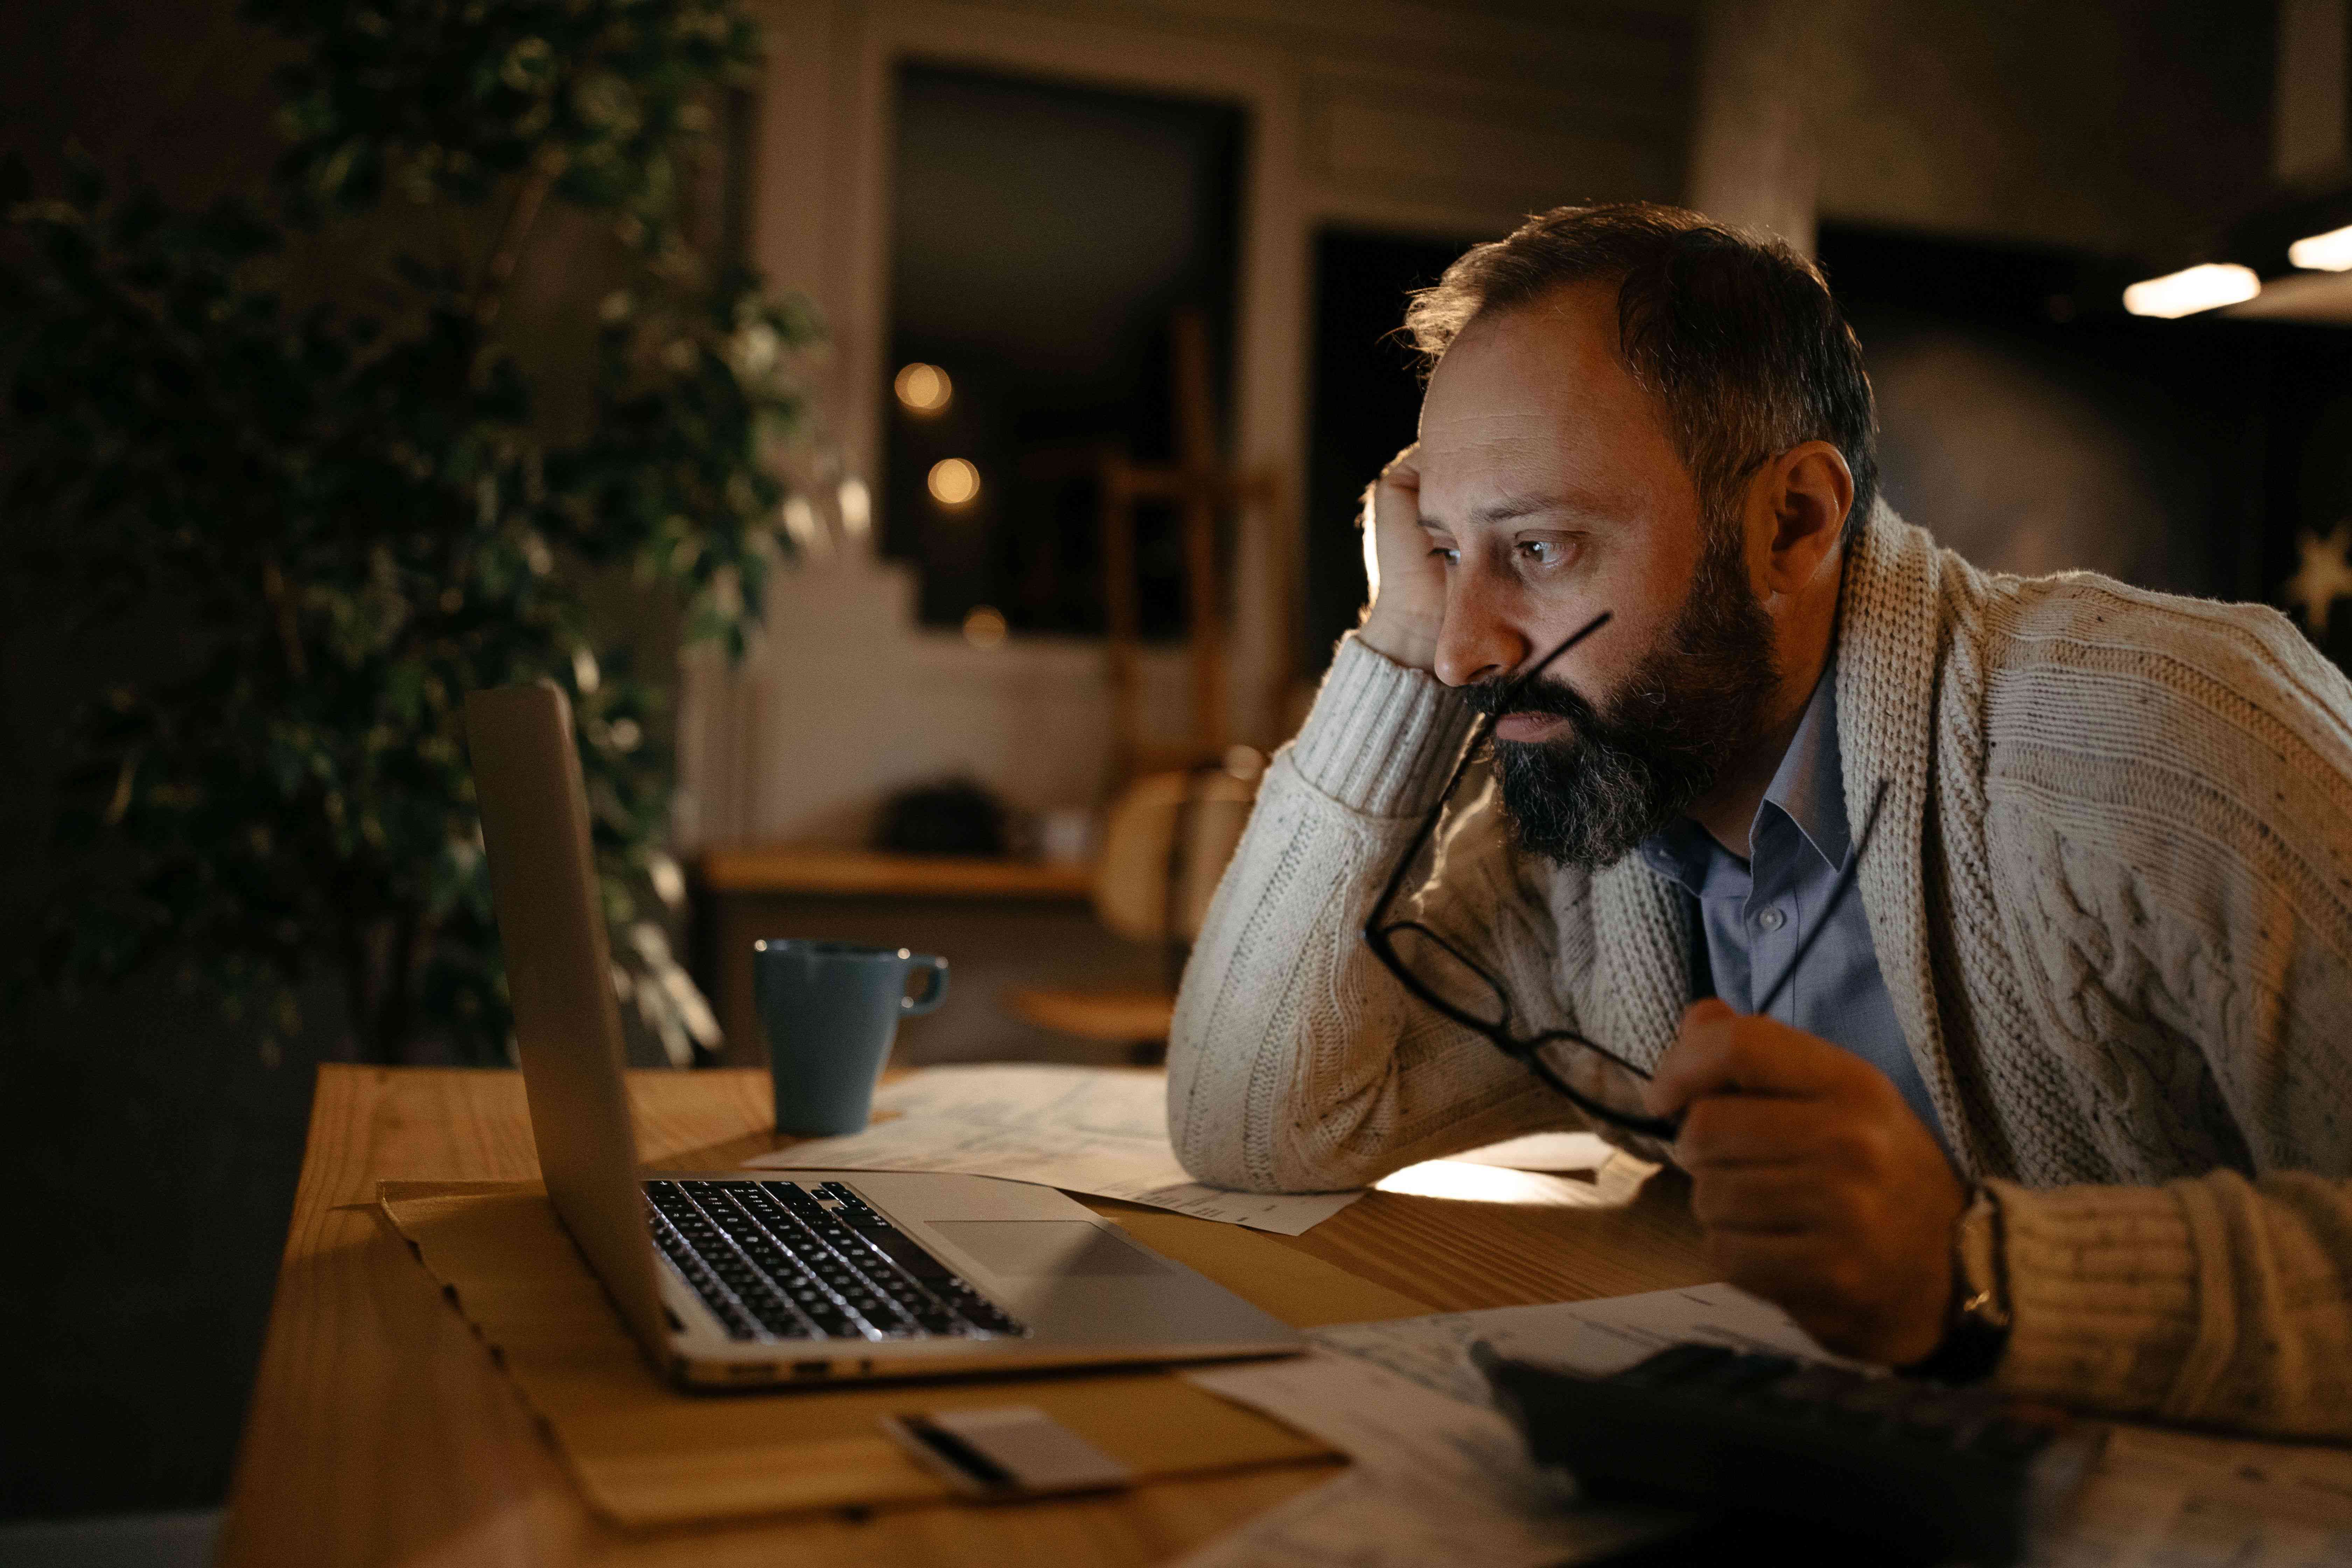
1457,988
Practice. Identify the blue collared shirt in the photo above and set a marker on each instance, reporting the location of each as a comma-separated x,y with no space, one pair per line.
1755,911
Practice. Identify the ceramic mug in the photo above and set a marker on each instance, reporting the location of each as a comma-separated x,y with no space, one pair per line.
830,1011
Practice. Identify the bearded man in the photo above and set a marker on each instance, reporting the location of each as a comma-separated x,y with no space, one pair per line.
1980,946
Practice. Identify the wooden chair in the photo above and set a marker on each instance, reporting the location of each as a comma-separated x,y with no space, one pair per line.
1165,844
1178,807
1202,488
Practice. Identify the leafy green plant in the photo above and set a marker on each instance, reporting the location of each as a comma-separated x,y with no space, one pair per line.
305,434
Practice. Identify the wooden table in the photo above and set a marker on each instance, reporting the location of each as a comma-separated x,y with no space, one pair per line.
380,1432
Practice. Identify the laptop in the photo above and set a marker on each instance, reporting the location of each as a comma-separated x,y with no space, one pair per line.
744,1279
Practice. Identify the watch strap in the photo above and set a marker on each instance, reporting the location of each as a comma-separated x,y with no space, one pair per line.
1976,1331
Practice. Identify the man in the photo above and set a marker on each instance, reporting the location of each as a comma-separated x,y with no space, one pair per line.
2059,1091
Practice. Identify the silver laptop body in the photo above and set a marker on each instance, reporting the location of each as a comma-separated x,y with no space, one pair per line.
734,1279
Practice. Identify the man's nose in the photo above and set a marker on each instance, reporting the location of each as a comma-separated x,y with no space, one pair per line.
1477,642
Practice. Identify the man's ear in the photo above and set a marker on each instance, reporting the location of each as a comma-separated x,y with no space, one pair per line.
1809,491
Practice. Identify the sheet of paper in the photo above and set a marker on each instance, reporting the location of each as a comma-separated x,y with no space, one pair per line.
2158,1499
1102,1130
1597,1337
1441,1477
1437,1484
2167,1499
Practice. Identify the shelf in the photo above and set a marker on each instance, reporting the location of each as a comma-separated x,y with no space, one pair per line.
822,869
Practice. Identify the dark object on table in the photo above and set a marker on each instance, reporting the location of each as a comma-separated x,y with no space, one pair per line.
1838,1463
955,816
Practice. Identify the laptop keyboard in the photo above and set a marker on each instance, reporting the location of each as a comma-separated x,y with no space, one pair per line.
775,1260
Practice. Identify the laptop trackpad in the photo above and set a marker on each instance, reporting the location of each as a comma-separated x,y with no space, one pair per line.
1040,1247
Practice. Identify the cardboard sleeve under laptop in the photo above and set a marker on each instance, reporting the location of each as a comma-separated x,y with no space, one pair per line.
990,1275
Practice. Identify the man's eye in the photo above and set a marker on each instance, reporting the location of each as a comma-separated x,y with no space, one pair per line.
1543,552
1447,553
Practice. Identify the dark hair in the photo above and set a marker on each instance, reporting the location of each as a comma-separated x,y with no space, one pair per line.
1735,335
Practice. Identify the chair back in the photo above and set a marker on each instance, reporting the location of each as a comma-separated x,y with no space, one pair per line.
1165,844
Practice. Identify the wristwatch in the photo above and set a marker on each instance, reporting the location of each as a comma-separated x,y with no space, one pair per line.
1976,1331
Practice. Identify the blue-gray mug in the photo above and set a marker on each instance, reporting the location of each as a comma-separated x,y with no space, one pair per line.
830,1010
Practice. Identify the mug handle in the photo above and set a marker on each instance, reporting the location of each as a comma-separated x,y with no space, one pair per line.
935,993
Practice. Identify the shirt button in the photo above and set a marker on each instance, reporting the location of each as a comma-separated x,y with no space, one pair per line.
1771,920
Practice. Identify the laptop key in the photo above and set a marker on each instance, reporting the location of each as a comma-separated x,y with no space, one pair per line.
771,1261
907,1271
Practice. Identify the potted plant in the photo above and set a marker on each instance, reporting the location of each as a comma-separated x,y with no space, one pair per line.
368,443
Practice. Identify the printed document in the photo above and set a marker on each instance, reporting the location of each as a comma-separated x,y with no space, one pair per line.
1436,1483
1102,1130
1440,1479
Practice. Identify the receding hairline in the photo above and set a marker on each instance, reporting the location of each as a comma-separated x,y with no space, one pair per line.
1557,302
1606,289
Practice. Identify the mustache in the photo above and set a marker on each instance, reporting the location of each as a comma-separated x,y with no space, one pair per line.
1527,691
1555,698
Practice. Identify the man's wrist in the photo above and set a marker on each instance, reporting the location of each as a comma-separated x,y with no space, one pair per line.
1977,1326
1382,738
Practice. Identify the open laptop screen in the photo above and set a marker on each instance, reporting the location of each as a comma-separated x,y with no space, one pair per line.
559,975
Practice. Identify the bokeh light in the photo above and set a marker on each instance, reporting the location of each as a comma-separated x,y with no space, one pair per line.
923,388
953,481
984,627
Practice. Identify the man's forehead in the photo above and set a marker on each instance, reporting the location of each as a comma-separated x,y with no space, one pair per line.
1537,400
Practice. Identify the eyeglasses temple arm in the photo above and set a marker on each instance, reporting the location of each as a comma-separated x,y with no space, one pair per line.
1395,885
1579,635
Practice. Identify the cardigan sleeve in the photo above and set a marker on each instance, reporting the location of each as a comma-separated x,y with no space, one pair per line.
2202,1014
2188,926
2211,1299
1295,1061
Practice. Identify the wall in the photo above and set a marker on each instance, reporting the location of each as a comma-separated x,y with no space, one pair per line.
1427,118
2130,128
2045,134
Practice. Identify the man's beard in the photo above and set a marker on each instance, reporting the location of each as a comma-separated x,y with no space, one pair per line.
1659,745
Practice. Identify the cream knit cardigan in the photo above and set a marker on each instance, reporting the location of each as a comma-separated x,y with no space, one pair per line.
2110,896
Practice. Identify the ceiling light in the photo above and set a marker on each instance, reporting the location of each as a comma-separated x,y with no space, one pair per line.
2329,252
953,481
923,388
2197,288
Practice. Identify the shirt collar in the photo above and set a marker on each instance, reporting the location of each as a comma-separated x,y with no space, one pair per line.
1808,788
1810,783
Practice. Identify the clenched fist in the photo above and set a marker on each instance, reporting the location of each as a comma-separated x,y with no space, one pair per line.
1817,1186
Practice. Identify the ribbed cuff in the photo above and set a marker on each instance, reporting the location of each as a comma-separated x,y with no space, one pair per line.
2102,1294
1382,738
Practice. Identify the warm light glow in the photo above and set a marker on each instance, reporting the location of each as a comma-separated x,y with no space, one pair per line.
923,388
984,627
2329,252
953,481
2198,289
800,523
1469,1183
857,508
